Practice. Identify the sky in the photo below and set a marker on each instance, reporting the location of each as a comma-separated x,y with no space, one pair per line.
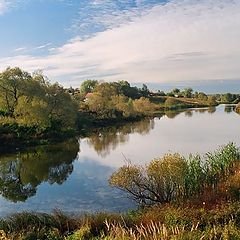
158,42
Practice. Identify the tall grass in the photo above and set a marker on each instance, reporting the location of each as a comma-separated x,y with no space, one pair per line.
157,222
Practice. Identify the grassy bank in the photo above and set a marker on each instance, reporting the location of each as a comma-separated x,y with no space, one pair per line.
166,103
158,222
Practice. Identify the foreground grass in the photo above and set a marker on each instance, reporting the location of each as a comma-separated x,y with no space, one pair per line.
157,222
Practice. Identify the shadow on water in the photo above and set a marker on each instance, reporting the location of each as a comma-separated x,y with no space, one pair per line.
22,173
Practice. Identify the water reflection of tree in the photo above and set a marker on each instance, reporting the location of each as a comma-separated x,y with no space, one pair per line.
211,110
201,110
229,108
108,139
189,113
20,174
173,114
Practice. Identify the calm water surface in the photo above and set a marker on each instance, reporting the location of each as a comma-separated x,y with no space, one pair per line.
72,176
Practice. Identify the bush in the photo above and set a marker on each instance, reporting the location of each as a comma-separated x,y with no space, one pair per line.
174,178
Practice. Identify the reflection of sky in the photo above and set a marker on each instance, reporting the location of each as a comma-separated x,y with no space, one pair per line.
200,133
87,189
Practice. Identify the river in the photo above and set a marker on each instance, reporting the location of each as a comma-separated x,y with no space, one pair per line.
73,176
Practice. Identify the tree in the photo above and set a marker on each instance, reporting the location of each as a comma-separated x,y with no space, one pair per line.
145,91
12,86
176,91
124,105
88,86
101,100
31,101
32,112
212,100
128,91
187,92
227,98
62,110
161,93
202,96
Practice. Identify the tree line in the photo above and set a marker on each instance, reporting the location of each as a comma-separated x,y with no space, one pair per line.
32,107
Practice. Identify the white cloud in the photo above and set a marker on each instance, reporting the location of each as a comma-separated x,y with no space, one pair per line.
99,15
3,6
43,46
181,40
6,5
20,49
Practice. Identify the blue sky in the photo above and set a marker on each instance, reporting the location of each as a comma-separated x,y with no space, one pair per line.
140,41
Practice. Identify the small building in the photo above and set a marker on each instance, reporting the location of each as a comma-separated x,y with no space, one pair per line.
87,96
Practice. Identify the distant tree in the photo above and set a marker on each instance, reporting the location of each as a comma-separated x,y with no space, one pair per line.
126,89
187,92
195,95
61,109
212,100
202,96
88,86
101,100
145,91
124,105
227,98
176,91
170,94
161,93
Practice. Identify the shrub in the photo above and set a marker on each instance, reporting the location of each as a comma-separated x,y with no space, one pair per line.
174,178
161,181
